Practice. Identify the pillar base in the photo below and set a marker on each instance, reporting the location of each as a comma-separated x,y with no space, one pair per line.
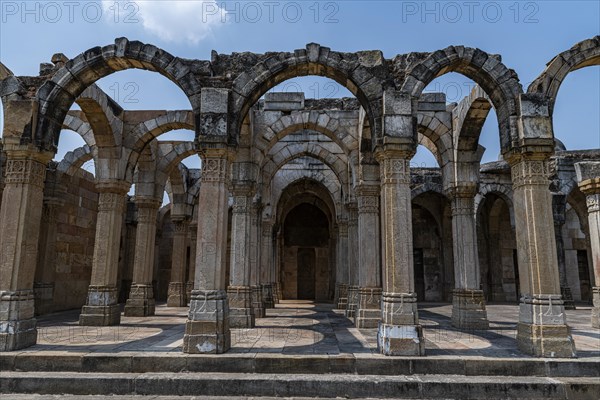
207,328
176,295
268,296
241,313
342,300
17,325
101,308
368,313
277,295
140,302
468,309
400,340
44,297
352,302
567,298
257,302
596,308
542,330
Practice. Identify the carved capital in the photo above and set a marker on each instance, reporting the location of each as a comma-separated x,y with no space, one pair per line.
215,169
241,204
25,171
530,172
368,204
109,201
395,170
593,202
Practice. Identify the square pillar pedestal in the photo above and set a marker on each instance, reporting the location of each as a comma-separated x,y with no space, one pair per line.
176,296
207,328
368,312
18,325
352,304
102,308
468,309
542,330
241,314
141,301
399,333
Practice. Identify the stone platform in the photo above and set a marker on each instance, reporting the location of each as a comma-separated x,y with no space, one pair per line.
299,349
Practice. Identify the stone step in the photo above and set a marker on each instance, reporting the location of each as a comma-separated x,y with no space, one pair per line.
291,385
356,364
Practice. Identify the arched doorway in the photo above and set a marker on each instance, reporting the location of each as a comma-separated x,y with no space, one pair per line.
306,254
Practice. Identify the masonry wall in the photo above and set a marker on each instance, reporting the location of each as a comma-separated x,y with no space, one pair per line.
75,235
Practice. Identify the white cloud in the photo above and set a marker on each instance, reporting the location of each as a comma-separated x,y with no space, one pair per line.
172,21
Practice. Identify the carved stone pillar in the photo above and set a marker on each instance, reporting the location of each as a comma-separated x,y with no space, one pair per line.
141,295
559,203
468,301
177,285
399,330
239,292
43,285
588,176
20,219
368,313
255,279
207,327
352,260
266,263
192,266
542,329
102,306
342,266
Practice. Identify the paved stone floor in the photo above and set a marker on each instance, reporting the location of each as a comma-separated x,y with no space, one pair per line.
296,327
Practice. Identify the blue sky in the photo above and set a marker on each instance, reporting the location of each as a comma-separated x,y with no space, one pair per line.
526,33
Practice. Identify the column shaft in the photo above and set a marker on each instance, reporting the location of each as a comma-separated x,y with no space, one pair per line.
352,260
368,311
102,306
593,206
20,218
207,327
399,330
177,285
542,329
468,302
342,266
266,260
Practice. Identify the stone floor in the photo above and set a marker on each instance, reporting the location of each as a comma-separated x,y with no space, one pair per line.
300,327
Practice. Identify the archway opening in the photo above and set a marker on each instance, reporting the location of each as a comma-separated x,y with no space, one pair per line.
306,254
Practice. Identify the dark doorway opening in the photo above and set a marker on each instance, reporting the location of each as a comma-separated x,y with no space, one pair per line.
306,273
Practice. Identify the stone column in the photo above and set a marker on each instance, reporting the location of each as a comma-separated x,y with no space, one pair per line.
177,285
342,266
542,329
368,312
352,260
588,177
192,266
20,218
468,301
559,203
266,263
241,314
141,295
43,285
207,327
257,291
102,306
399,330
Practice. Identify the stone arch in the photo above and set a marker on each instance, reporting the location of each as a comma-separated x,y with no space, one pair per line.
146,131
74,123
58,94
314,120
499,82
436,135
73,160
335,162
502,191
298,192
469,116
350,70
102,114
426,187
582,54
290,178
